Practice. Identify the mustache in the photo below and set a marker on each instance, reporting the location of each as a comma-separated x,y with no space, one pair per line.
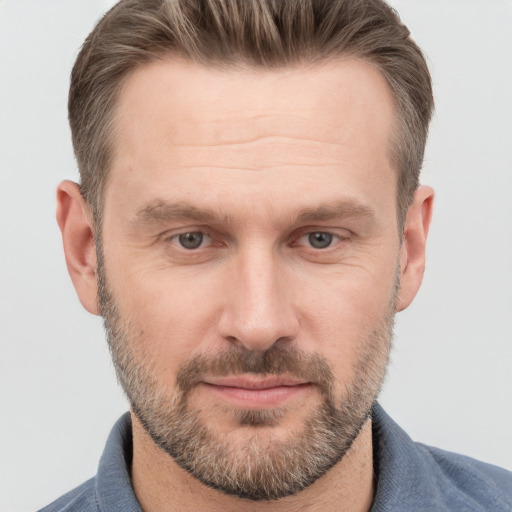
277,360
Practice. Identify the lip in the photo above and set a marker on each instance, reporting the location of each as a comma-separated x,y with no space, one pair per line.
254,381
256,392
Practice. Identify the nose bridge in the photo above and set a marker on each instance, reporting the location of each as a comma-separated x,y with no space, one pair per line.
258,312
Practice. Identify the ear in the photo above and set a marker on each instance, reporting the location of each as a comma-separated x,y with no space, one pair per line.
412,250
75,222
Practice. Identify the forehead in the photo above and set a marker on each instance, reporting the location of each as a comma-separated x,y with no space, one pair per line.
301,126
334,99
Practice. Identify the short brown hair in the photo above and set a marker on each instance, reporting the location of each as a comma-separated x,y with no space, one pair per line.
258,33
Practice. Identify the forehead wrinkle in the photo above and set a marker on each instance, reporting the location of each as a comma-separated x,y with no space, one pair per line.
259,168
259,153
261,139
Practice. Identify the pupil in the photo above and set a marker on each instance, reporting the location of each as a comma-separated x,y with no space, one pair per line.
191,240
320,240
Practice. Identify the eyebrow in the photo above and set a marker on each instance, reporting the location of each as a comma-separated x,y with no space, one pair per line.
344,208
161,212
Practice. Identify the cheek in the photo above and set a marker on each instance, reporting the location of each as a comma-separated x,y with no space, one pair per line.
173,315
340,321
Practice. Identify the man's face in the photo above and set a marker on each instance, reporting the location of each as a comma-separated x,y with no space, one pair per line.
250,265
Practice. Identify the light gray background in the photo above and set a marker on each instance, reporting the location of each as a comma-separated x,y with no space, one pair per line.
450,379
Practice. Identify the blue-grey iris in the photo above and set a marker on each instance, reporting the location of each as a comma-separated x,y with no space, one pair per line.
320,240
191,240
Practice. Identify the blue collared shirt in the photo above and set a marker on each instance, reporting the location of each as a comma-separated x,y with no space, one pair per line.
412,477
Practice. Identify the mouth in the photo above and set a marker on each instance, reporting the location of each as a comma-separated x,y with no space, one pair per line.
256,392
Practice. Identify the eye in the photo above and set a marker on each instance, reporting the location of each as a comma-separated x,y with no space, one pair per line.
192,240
320,239
316,241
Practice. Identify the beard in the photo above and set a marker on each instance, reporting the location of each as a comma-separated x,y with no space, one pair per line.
261,467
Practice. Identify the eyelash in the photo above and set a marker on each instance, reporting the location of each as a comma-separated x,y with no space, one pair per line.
174,239
336,239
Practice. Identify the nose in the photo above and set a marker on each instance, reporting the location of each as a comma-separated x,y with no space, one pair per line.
258,310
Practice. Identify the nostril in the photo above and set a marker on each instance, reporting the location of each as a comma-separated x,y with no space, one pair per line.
283,340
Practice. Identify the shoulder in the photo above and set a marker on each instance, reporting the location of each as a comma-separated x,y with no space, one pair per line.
477,481
111,488
80,499
413,476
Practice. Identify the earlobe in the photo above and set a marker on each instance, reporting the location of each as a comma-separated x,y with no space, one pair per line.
412,251
75,222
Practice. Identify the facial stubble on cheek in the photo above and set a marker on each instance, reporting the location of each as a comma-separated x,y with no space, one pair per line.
257,469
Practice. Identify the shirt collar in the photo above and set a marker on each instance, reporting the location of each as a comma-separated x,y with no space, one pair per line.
114,491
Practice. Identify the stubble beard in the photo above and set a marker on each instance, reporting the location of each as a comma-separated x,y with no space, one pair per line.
259,469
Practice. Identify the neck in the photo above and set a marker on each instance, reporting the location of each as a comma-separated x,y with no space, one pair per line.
161,485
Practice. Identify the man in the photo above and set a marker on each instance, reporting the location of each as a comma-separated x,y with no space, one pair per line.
248,222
